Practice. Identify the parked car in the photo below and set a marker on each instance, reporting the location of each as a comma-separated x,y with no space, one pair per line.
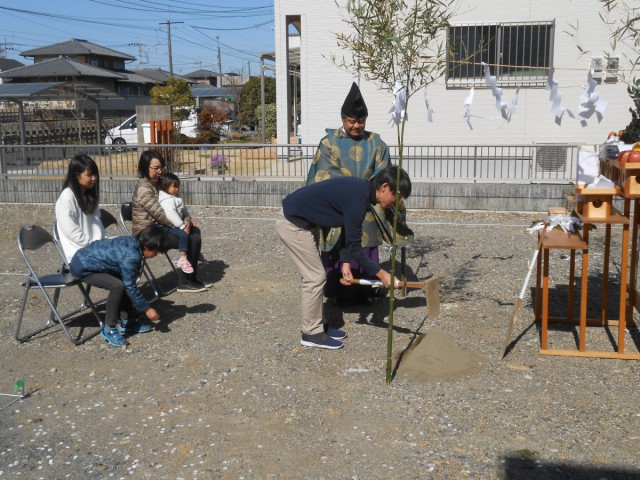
127,132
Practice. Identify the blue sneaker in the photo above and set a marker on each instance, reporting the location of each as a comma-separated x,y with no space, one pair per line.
320,340
112,336
133,326
335,333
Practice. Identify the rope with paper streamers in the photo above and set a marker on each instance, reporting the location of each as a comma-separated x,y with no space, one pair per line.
531,67
590,102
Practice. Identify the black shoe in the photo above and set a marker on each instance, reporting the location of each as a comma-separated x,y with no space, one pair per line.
190,287
199,283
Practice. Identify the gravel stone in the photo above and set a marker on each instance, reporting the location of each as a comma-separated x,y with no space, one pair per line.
222,389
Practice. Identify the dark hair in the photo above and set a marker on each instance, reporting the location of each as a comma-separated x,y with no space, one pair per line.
169,179
88,202
154,238
145,160
390,175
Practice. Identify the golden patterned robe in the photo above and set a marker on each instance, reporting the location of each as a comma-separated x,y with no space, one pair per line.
339,154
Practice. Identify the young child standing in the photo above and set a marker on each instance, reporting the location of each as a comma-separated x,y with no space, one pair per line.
178,214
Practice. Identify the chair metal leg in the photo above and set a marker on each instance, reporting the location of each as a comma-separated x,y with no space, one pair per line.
55,317
30,334
80,339
155,284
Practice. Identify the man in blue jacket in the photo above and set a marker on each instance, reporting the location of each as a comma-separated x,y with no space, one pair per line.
336,202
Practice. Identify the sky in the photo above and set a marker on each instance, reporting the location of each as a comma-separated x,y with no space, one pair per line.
242,29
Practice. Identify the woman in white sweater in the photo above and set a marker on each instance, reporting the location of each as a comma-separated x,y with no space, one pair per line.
78,208
78,223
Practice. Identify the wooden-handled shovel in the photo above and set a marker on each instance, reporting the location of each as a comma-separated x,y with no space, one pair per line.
431,289
518,305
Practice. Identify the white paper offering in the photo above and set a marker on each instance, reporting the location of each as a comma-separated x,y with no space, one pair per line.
588,165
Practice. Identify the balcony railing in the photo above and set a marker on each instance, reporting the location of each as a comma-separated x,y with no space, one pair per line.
537,163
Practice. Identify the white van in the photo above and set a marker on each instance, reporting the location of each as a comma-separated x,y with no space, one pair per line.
127,132
124,134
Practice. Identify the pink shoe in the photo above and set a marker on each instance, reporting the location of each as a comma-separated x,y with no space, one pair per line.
184,265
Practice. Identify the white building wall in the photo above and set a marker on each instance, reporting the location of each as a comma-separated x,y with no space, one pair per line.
324,85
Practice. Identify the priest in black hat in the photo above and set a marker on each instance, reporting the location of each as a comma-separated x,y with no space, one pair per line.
352,151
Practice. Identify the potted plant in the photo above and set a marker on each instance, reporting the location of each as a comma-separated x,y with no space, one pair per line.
219,163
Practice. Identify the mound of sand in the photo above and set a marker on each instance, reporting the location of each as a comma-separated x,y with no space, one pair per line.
434,356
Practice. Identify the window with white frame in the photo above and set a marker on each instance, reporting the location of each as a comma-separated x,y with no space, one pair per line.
519,54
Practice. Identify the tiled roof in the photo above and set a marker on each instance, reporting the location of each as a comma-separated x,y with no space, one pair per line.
54,91
157,74
8,64
59,68
135,77
201,74
75,47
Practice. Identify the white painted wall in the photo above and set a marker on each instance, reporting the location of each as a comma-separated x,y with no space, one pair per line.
324,85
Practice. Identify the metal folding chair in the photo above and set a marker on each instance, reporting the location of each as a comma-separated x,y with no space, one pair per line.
109,220
126,215
32,238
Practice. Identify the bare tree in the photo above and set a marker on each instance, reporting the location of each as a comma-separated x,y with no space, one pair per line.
398,45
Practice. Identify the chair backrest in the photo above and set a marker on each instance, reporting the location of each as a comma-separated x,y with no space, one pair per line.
33,237
107,219
56,240
126,211
54,231
126,215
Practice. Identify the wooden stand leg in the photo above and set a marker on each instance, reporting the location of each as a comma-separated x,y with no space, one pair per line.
634,261
605,273
624,267
545,300
537,315
572,275
583,290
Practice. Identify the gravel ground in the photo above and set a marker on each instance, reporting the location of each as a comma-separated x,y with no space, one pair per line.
222,388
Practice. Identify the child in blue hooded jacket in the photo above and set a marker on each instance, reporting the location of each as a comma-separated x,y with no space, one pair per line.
114,264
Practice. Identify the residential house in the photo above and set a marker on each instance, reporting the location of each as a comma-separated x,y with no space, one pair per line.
8,64
223,98
521,40
204,78
79,63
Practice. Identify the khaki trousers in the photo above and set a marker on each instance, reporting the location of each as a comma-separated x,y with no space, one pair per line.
301,245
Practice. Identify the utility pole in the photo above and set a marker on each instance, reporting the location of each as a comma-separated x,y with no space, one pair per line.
4,48
219,59
139,45
168,24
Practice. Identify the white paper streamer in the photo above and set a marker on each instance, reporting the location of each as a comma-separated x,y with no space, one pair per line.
556,98
398,107
501,105
426,104
467,108
591,103
514,104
